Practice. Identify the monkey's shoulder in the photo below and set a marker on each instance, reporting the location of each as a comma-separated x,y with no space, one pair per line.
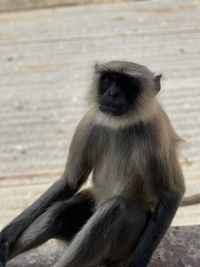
155,134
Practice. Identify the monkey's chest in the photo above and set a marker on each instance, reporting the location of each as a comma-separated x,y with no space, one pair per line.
123,173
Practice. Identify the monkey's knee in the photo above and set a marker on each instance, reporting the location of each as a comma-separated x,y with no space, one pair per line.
125,205
127,211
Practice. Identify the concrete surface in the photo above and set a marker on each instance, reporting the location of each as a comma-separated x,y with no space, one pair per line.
45,65
17,5
179,248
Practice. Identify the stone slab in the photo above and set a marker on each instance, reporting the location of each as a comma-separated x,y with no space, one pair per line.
179,248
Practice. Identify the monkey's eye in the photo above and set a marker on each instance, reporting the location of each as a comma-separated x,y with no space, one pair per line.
106,79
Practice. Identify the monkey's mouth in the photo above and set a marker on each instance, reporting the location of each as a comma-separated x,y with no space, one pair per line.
114,110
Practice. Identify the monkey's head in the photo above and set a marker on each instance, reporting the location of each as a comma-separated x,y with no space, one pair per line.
124,93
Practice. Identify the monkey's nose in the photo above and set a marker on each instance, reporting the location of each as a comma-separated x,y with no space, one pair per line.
113,92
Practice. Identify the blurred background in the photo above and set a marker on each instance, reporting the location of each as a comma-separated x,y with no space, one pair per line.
47,50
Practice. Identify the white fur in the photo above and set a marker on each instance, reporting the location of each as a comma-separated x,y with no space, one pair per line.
132,117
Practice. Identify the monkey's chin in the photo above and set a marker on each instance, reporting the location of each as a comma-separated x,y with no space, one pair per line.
112,110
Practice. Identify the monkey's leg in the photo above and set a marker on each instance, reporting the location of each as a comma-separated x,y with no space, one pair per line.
62,220
109,235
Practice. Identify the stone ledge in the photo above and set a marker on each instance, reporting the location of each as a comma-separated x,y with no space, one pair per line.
179,248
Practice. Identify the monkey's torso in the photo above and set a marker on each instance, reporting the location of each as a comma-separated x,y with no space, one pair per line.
123,164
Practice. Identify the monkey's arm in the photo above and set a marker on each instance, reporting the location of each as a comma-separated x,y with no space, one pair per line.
156,229
170,191
77,170
58,191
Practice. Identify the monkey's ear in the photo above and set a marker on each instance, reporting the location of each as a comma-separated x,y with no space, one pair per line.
157,79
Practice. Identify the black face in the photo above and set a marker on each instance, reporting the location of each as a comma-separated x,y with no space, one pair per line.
117,92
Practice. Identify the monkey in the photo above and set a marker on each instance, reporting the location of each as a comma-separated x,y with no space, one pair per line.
128,144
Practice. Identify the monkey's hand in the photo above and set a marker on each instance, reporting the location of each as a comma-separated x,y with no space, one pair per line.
4,250
10,234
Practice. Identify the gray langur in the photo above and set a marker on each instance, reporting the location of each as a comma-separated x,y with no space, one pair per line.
128,143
